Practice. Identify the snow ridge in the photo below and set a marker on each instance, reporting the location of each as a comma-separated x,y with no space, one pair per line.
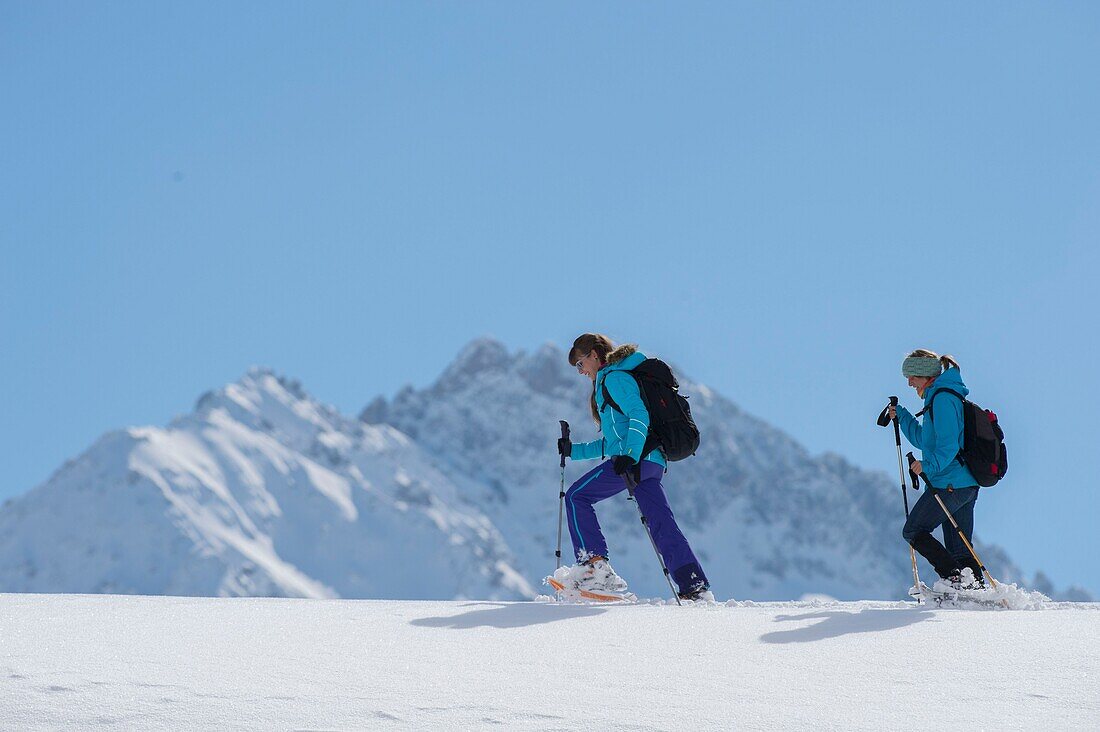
260,491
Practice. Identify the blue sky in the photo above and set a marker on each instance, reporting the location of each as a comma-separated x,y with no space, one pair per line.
782,198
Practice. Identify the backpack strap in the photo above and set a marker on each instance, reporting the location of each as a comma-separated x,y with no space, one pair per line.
941,391
608,401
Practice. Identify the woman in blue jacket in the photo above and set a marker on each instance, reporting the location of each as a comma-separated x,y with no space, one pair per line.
624,432
940,439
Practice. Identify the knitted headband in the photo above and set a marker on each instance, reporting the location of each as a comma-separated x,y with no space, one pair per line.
921,366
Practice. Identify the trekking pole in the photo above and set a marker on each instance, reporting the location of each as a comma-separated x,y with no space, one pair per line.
953,523
561,493
904,496
630,486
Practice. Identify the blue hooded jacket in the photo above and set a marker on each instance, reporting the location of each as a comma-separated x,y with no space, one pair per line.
623,433
940,435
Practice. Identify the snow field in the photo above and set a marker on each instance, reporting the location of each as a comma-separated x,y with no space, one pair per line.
88,662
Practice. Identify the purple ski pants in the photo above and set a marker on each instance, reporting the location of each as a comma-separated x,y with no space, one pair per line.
600,483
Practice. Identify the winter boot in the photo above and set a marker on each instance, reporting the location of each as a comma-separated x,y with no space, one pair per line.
940,559
698,593
599,576
970,580
976,579
693,584
951,583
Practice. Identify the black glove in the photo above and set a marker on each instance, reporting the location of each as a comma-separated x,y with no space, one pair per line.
628,468
565,447
622,463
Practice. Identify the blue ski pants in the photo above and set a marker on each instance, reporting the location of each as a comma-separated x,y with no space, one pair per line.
927,514
601,482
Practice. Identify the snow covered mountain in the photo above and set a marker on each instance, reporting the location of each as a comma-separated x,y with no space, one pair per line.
260,491
446,492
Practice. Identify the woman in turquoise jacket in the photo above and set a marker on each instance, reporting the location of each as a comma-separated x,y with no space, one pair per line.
624,432
940,439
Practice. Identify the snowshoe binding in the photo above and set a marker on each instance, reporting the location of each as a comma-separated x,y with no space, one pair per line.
594,580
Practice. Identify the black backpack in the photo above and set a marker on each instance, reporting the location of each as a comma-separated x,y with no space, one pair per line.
983,453
671,427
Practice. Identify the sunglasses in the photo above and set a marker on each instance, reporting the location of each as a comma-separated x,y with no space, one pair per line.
580,363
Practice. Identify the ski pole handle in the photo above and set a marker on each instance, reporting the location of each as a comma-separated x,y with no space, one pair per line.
897,423
884,415
564,436
916,485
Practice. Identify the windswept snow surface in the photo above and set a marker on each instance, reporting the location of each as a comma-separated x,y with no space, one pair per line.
88,662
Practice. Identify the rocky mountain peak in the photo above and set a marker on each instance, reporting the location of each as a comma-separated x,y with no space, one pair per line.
481,356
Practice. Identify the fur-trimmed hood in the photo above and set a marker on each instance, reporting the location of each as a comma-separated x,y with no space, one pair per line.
621,353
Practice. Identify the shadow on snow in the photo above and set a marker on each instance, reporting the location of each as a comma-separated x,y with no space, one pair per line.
508,615
836,623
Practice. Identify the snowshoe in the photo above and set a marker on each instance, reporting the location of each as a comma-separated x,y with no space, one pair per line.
599,576
951,594
595,581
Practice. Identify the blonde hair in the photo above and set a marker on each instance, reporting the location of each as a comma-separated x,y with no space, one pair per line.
946,361
582,346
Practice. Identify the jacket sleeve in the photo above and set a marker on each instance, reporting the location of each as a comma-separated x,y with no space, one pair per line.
587,450
910,426
624,390
947,418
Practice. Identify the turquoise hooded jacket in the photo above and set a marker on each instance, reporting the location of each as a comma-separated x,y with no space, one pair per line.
623,433
940,435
